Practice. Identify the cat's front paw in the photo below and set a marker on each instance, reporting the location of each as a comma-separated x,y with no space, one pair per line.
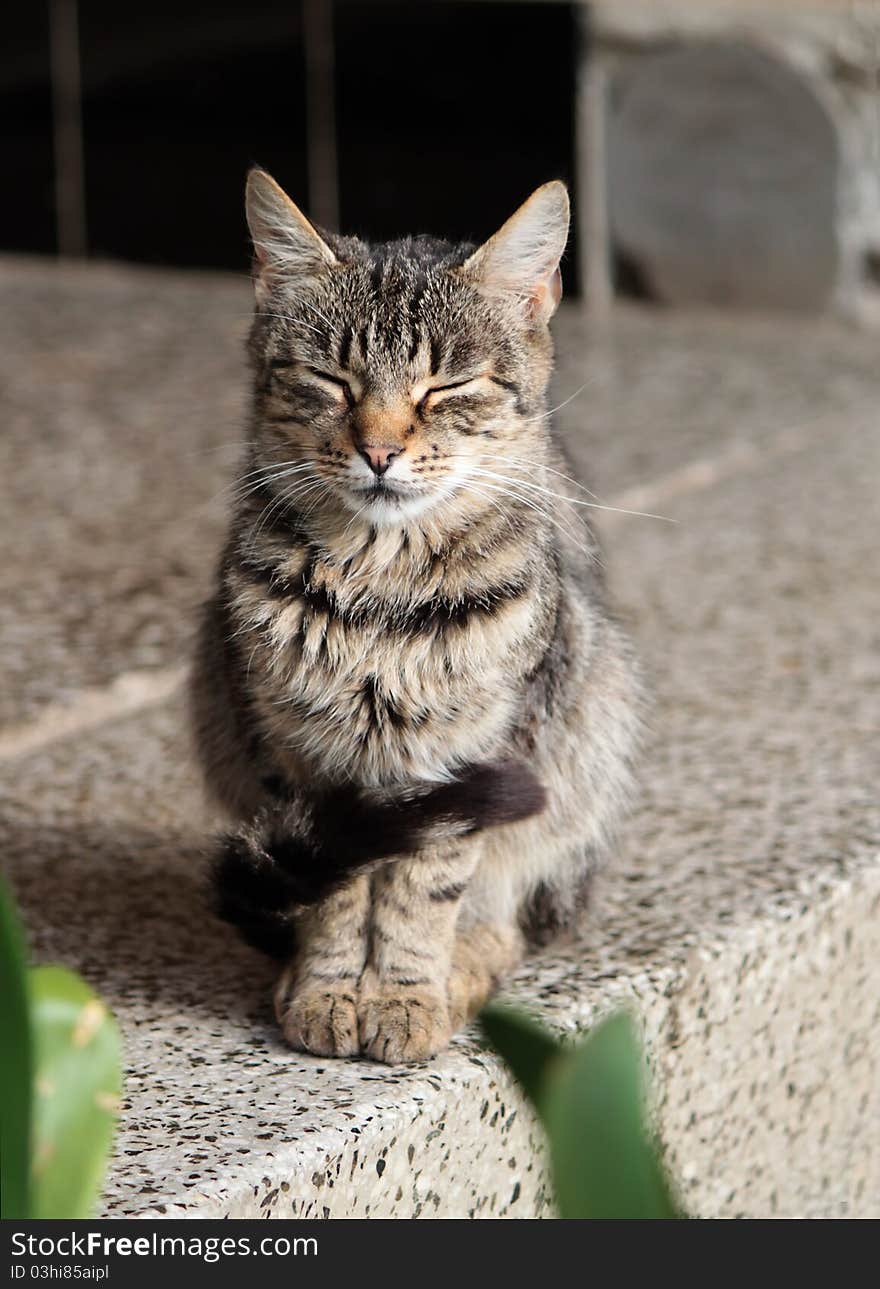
399,1023
317,1017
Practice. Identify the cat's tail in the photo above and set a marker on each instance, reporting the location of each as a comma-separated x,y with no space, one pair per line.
299,850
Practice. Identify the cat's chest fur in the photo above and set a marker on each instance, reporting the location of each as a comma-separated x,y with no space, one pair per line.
387,670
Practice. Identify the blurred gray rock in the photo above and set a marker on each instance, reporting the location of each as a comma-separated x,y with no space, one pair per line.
744,150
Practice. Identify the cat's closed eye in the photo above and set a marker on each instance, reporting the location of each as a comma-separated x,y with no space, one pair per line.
337,382
440,393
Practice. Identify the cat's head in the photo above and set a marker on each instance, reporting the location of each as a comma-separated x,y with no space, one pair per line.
391,378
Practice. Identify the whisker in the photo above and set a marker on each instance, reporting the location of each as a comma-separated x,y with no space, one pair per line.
307,304
536,501
543,416
269,477
518,487
565,402
539,507
251,482
466,486
542,465
285,497
544,515
291,318
574,501
265,518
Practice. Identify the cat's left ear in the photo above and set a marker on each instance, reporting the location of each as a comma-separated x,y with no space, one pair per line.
287,246
522,258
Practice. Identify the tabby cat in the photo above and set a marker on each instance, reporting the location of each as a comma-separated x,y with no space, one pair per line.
408,692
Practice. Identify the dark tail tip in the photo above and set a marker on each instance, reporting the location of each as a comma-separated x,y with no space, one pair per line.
486,796
252,896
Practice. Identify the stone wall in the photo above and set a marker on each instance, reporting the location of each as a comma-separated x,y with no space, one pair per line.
743,150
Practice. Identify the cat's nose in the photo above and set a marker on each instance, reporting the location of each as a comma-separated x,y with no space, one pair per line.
378,458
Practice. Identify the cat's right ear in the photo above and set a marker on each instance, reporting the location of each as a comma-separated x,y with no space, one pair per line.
287,247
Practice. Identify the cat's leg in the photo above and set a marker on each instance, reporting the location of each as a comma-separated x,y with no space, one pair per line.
483,955
403,1007
315,999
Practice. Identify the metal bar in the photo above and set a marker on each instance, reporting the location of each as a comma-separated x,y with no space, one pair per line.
323,168
594,234
70,189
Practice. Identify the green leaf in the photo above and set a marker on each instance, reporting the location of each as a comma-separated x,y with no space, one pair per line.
604,1163
15,1067
76,1093
526,1047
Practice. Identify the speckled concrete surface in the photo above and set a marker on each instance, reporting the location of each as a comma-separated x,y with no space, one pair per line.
741,921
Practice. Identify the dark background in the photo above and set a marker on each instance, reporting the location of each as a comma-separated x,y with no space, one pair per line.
448,115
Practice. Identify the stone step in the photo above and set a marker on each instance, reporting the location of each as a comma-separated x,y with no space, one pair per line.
740,920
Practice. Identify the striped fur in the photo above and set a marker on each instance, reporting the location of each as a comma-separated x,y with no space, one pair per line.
408,691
